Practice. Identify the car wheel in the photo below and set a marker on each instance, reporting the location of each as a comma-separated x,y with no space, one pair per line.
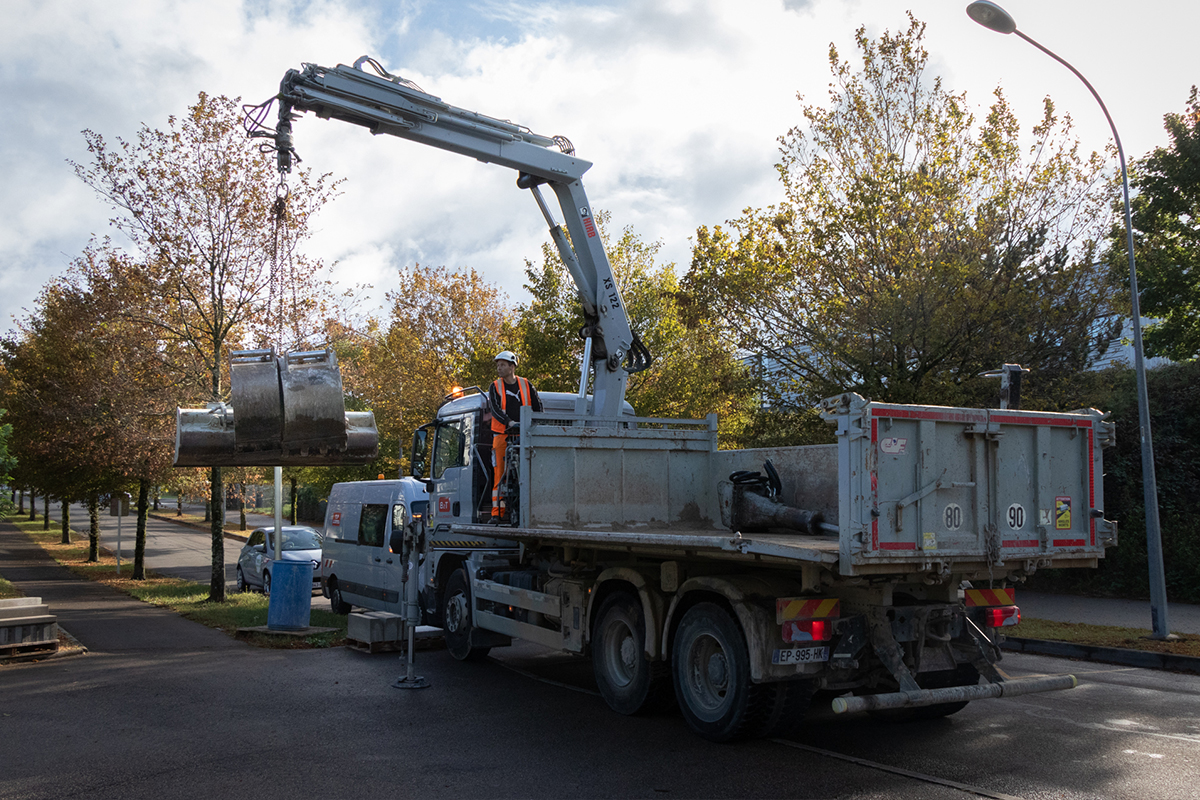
336,603
241,581
267,584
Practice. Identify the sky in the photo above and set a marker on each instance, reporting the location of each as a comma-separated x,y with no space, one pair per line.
678,103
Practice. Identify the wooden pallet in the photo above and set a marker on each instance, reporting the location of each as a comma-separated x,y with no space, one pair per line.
27,649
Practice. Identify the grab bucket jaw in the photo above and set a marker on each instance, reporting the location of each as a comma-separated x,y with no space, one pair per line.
290,411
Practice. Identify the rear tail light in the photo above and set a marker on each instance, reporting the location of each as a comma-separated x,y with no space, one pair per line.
1001,616
808,630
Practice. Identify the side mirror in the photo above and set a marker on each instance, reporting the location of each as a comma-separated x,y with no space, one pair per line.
420,442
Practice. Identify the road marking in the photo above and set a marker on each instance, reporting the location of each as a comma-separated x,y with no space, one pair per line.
862,762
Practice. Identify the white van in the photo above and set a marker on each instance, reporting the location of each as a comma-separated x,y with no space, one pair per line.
360,561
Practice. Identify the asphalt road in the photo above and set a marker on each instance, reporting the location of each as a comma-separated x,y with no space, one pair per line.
162,707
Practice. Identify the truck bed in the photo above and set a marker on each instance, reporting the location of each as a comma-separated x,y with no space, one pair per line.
758,548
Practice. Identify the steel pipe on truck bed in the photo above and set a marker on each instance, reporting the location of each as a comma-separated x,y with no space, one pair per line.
953,694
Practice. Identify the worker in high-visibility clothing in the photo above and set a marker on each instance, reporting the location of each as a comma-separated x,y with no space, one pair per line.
506,396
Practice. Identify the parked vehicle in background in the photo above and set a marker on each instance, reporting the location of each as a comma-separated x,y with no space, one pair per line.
300,543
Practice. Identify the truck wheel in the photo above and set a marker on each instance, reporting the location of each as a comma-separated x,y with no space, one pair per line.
789,701
712,676
336,603
963,675
629,682
458,619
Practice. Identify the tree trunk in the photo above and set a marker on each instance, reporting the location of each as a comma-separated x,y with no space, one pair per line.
156,498
179,504
66,521
45,512
32,506
242,506
139,548
21,502
93,528
216,589
293,501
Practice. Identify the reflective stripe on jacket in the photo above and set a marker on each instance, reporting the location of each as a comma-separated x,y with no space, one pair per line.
498,426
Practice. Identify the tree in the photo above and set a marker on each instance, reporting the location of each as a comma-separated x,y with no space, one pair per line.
695,370
442,330
912,251
1166,228
217,240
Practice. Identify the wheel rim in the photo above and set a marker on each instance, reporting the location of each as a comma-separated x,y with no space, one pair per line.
708,678
456,613
620,653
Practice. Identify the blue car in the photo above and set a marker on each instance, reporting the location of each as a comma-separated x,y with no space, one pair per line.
300,543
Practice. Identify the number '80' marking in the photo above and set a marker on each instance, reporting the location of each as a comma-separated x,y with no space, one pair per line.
953,517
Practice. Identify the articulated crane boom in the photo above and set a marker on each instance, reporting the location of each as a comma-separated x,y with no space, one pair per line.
388,104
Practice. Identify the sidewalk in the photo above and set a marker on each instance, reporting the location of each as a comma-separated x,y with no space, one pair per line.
101,618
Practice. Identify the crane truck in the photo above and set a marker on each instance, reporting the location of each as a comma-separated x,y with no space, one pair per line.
878,571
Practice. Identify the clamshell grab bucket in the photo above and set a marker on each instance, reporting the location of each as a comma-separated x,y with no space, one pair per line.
290,411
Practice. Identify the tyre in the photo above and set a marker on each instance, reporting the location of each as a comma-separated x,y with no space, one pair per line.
241,581
629,682
711,669
336,603
267,584
789,700
458,619
963,675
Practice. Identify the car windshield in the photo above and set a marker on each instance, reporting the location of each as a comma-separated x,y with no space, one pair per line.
301,539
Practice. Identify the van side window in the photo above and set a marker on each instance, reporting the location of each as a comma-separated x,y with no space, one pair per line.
449,447
371,524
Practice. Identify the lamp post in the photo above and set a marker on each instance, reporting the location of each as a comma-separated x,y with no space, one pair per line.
992,16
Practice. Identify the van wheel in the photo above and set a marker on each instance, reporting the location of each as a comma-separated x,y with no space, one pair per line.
628,681
336,603
711,667
458,619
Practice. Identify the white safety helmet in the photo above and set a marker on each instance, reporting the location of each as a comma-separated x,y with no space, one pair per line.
506,355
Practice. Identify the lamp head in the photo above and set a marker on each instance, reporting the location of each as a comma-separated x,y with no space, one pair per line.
992,16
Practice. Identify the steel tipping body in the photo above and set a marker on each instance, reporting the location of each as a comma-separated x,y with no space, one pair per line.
389,105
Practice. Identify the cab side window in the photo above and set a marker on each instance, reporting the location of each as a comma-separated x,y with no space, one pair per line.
449,447
371,524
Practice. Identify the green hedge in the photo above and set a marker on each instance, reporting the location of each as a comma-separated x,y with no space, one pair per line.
1174,392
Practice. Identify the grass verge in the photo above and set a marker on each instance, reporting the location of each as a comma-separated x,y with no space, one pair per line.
1104,636
186,598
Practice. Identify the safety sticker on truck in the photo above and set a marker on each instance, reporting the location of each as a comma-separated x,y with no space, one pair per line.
800,655
1062,513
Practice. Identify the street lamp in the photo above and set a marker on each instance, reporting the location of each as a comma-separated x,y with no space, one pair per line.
992,16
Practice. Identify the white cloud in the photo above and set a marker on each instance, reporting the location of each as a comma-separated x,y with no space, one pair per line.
678,104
